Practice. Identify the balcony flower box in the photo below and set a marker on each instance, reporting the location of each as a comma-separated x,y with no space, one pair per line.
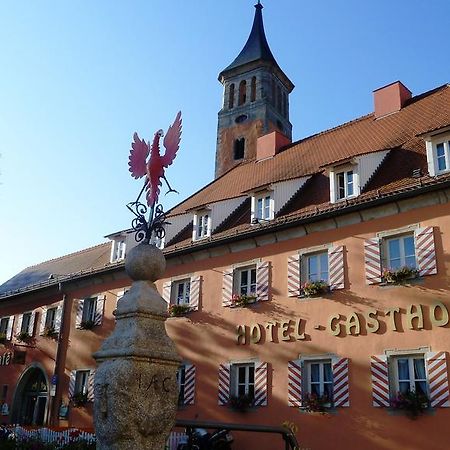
316,403
241,403
315,288
87,325
243,300
79,400
413,403
179,310
24,337
398,276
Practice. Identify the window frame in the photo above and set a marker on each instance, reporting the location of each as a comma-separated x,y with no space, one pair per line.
89,316
199,225
267,205
305,258
334,173
346,184
386,256
29,316
50,319
4,319
237,279
82,381
307,363
175,284
181,381
432,144
248,385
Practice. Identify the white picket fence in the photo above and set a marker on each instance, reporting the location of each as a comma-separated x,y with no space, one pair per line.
63,437
47,435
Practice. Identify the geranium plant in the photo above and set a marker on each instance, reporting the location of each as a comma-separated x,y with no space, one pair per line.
311,288
413,403
241,402
79,399
179,310
316,403
243,300
395,276
87,324
49,332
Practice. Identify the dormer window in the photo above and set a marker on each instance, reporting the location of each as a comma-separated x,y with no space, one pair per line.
118,250
262,207
202,225
438,154
344,183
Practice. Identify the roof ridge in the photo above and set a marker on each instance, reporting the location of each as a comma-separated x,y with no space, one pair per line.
66,255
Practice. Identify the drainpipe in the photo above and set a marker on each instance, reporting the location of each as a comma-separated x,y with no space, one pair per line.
60,358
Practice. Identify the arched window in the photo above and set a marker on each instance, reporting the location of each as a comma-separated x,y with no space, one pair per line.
242,92
239,148
253,90
231,96
279,98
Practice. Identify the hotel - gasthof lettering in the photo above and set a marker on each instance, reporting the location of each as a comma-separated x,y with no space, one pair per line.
309,281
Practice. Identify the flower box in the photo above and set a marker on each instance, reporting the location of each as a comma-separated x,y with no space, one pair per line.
316,403
241,403
79,400
87,325
398,276
23,337
413,403
243,300
314,288
179,310
49,332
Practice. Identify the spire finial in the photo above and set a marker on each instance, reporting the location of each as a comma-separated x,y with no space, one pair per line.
259,6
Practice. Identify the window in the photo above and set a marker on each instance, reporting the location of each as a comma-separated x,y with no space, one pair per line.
243,380
400,252
263,208
202,227
157,241
438,154
253,90
344,184
4,322
82,382
89,309
231,97
319,378
118,250
317,267
242,92
50,318
181,292
442,157
26,322
409,374
239,148
245,280
181,380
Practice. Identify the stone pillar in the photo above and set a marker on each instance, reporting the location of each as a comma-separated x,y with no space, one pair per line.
136,391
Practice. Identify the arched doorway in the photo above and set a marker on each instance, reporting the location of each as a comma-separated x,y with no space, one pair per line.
31,398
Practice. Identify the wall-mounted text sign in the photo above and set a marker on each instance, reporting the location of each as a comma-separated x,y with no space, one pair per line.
6,358
354,324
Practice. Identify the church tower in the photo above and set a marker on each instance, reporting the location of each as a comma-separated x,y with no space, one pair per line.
255,100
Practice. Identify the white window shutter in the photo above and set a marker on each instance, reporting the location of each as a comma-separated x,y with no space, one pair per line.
262,280
73,376
9,329
438,379
32,323
224,384
336,267
99,309
261,384
79,316
340,382
90,390
380,381
372,260
293,279
43,318
194,292
332,178
295,384
430,159
189,384
166,291
58,318
19,323
425,251
227,287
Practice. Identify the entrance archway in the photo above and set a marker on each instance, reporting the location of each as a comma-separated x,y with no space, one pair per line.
31,398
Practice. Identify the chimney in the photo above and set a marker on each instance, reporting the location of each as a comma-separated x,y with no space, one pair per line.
269,145
391,98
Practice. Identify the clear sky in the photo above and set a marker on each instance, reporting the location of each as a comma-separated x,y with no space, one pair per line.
77,78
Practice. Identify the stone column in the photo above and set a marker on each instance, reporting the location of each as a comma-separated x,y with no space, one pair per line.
136,391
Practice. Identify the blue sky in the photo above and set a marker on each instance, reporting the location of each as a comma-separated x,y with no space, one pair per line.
78,78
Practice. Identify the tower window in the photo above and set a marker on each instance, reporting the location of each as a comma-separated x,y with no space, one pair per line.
239,147
231,97
253,90
242,92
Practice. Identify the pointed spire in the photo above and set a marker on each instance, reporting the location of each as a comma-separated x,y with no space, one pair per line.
256,47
